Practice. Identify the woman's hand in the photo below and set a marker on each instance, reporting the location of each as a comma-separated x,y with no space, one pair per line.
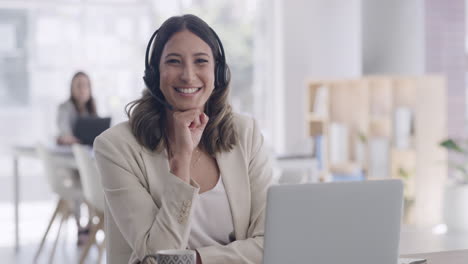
188,130
67,140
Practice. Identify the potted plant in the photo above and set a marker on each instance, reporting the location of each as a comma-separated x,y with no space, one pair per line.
455,206
408,198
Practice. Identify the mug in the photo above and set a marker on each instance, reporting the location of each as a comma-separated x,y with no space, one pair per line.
172,256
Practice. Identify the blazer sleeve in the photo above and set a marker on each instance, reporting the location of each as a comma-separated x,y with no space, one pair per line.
260,172
145,226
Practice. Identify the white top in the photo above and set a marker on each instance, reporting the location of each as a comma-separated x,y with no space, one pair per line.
211,221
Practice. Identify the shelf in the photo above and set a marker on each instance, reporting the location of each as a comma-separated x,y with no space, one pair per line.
377,119
380,127
403,151
312,117
345,168
316,128
369,106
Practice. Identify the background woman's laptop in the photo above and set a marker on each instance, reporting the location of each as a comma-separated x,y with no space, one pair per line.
334,223
88,128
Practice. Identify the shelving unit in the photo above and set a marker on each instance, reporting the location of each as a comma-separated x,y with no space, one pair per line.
387,127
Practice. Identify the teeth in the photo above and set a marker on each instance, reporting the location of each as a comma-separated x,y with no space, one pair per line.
187,90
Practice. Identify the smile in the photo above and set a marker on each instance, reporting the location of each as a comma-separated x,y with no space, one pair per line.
187,90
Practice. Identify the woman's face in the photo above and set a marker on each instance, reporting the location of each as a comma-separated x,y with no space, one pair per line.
81,89
186,71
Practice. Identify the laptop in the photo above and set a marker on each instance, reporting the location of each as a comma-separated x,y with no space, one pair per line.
334,223
88,128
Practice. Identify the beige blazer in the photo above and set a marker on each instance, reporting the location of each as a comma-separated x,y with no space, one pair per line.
149,209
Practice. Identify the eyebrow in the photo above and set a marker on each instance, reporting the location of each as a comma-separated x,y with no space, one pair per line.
173,54
196,54
201,54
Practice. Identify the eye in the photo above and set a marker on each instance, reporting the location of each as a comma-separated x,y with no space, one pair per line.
201,61
172,61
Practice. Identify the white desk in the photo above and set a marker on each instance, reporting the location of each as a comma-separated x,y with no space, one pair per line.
444,257
63,155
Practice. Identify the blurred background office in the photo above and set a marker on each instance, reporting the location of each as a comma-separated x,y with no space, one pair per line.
277,50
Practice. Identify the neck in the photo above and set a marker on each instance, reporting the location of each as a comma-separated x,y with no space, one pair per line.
81,108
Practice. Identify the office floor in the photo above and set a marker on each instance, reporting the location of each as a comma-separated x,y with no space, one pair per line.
35,217
38,204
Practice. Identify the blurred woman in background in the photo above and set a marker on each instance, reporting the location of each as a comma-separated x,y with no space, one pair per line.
80,103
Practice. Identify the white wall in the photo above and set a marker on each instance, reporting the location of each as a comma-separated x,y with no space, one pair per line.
321,39
393,39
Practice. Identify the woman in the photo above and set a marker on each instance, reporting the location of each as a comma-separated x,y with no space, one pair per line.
184,171
80,103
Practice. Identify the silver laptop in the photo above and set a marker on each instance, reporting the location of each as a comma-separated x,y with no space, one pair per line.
333,223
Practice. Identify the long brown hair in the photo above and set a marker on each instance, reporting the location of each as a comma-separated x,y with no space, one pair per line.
147,116
90,105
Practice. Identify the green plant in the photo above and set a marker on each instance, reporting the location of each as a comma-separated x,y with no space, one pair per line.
362,137
405,176
459,148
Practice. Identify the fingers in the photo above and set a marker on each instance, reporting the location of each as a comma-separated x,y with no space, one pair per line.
200,121
204,120
192,119
196,122
68,140
188,130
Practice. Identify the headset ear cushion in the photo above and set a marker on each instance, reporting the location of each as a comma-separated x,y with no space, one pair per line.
222,75
227,74
150,78
217,76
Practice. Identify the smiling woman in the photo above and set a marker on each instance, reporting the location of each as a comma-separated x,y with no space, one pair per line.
184,171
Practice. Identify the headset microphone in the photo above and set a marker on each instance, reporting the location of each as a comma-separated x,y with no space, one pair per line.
163,102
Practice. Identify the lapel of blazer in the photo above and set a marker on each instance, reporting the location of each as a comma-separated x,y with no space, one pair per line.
235,179
157,169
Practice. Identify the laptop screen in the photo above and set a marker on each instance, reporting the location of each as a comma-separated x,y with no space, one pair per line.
333,223
88,128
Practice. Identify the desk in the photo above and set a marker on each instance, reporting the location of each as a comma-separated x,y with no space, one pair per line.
444,257
63,155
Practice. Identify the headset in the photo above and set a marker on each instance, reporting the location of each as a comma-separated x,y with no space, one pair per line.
151,77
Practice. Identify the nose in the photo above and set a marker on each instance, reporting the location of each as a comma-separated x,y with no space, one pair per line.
187,74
